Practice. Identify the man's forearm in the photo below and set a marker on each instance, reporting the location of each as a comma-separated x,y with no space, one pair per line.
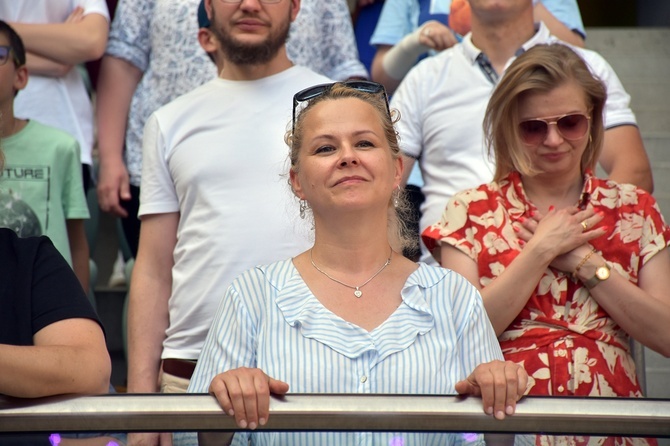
147,323
67,43
625,159
117,82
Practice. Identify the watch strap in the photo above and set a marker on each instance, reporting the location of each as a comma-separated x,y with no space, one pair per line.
595,280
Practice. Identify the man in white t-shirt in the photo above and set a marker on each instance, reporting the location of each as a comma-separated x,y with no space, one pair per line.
58,35
213,198
443,99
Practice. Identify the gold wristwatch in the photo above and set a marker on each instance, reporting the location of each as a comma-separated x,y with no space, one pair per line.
602,274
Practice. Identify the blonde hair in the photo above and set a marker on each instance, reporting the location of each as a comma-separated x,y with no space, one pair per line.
341,90
540,69
399,207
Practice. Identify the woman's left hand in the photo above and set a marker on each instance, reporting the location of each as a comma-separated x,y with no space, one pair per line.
500,384
576,224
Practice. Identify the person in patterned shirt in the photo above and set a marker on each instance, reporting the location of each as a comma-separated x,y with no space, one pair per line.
570,266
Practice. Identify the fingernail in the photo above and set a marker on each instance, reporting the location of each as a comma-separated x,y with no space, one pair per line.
509,410
252,426
500,415
515,228
231,412
522,243
601,213
551,208
489,410
606,228
262,421
522,219
243,424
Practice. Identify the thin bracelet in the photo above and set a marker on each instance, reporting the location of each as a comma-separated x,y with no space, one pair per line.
584,260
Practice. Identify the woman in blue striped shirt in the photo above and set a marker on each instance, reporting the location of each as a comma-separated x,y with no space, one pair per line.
350,315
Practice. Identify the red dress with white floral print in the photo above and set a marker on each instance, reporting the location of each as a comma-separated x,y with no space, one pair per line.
565,341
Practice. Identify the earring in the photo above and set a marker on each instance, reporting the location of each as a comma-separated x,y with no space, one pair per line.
396,197
303,208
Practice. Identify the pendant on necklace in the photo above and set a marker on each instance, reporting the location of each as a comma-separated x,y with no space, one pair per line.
358,293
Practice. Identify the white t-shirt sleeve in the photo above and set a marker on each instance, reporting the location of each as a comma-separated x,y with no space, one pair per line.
408,100
157,191
617,107
94,7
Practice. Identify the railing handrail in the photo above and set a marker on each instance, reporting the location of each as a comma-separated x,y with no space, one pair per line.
341,412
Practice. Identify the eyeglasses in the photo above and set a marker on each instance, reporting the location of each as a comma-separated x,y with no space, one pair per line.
571,127
6,52
317,90
240,1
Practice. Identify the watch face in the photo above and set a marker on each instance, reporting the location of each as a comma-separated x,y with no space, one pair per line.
602,273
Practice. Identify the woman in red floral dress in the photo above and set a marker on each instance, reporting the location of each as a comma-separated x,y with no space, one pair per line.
569,266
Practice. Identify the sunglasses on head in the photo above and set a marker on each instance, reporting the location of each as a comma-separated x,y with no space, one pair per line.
571,127
317,90
6,53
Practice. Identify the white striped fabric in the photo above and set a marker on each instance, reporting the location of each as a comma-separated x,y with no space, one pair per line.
269,319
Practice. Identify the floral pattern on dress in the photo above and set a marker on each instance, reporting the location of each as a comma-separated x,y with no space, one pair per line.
566,342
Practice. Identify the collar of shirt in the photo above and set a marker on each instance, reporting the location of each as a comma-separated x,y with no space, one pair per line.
300,308
522,207
475,55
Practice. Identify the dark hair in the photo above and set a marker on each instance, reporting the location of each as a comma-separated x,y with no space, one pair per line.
203,20
15,43
399,207
540,69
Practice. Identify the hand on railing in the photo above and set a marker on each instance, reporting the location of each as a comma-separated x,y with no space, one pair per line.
245,394
500,384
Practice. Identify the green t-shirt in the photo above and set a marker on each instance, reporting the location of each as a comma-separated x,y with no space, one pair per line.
41,185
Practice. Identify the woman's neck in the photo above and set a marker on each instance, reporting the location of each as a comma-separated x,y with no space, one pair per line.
545,192
351,242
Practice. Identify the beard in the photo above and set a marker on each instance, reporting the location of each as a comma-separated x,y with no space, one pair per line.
240,53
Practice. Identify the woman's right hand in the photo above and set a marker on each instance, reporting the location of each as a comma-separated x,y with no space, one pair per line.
562,235
245,394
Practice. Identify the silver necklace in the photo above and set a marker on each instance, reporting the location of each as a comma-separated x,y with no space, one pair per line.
357,289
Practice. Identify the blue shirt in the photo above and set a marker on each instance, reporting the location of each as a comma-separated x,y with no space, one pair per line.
270,319
401,17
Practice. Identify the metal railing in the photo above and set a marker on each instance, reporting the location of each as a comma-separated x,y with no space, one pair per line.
307,412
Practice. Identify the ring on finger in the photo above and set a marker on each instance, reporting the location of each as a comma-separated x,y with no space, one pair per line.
585,225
